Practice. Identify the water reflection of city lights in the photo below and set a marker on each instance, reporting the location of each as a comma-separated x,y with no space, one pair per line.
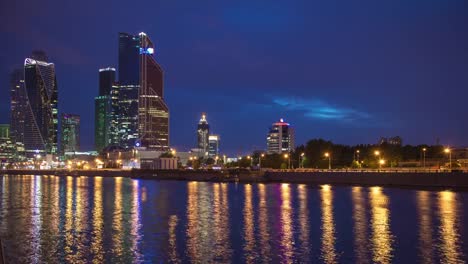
328,253
380,223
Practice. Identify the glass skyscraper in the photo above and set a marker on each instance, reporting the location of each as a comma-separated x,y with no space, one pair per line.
153,113
70,133
18,105
104,127
40,110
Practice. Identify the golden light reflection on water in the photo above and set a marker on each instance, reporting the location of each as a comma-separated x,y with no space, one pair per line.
328,225
192,221
69,222
263,224
222,252
425,226
380,224
82,218
360,225
287,238
173,255
249,236
117,220
98,222
303,220
449,234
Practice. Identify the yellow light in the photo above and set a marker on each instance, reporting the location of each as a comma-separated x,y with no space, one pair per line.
327,154
286,156
357,151
326,187
377,153
382,161
263,155
248,157
424,149
447,150
302,154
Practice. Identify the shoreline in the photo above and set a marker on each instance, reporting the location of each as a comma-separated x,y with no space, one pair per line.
413,180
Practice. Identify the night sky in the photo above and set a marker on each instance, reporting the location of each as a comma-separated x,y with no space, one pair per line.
347,71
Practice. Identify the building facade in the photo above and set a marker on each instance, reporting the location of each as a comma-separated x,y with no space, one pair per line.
41,106
203,132
153,113
70,133
129,85
104,110
280,138
213,145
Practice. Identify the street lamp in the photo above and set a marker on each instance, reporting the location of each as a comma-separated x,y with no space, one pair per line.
449,152
260,160
381,162
377,154
357,155
302,160
327,155
424,157
286,156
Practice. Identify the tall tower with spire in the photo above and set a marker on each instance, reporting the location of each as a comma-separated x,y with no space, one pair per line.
203,133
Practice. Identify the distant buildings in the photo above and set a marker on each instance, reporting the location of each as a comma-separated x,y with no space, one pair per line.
395,141
37,125
203,132
280,138
213,145
70,133
7,148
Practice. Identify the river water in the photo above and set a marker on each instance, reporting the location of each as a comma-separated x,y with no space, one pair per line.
50,219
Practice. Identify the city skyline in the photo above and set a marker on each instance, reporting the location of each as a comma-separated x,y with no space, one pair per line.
417,85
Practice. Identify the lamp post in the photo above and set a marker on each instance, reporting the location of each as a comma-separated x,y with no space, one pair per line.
449,152
381,162
357,155
301,165
329,159
377,154
287,156
250,158
260,160
424,157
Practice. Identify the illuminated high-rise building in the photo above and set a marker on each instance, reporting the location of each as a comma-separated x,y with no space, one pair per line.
40,110
105,111
203,132
153,113
280,138
70,133
213,145
129,85
18,106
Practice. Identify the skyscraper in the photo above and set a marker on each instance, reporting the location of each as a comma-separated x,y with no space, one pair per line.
40,110
129,85
18,106
105,110
203,133
280,138
153,113
70,133
213,145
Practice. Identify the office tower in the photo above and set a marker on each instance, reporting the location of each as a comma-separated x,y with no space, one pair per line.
129,85
280,138
18,106
213,145
106,80
203,132
7,148
153,113
40,110
103,110
70,133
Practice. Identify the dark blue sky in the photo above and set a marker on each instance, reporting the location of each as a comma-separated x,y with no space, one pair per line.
348,71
